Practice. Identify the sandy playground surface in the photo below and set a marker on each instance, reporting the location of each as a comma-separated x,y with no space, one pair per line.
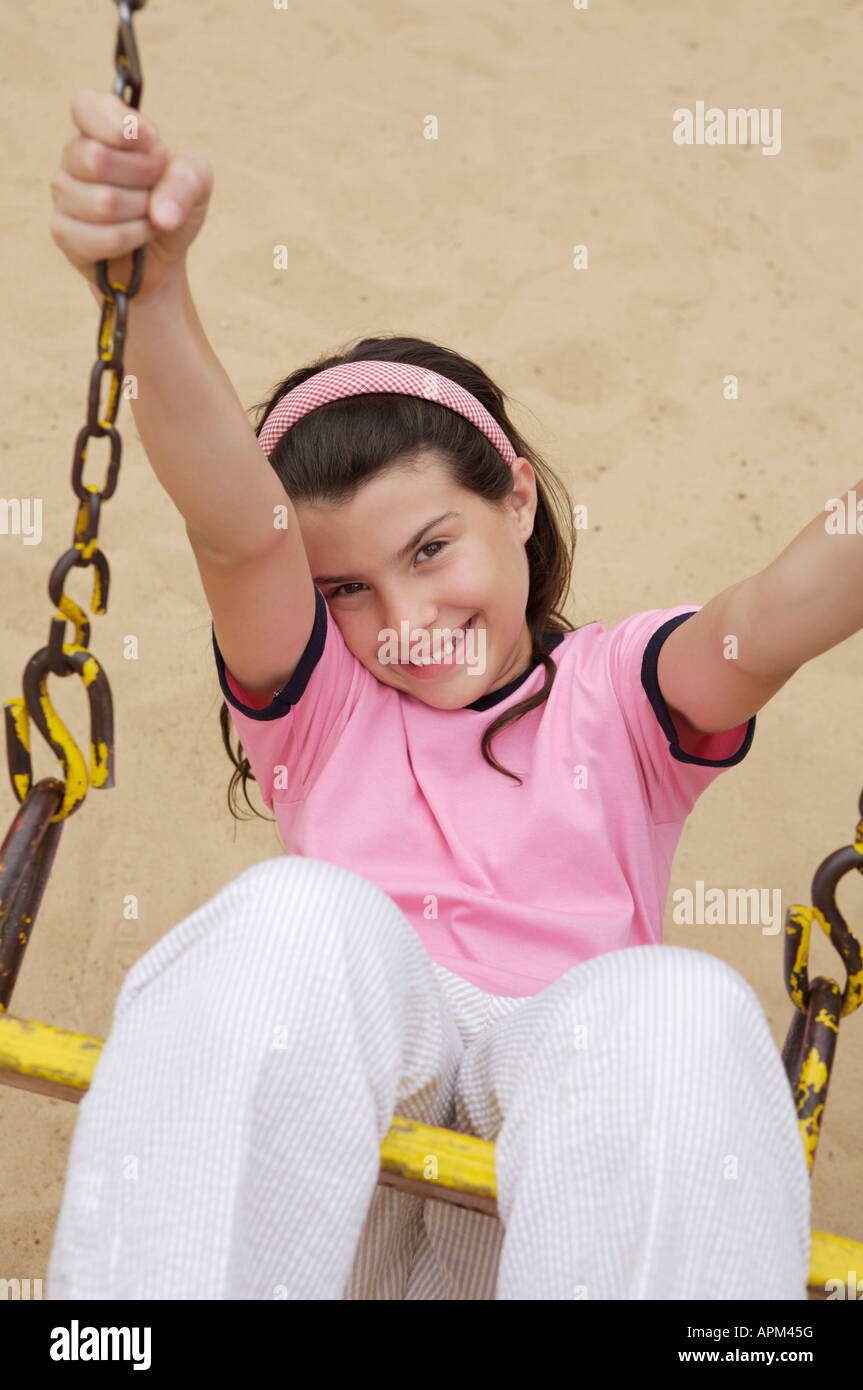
554,129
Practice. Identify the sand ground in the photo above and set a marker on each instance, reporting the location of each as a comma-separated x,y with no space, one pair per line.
554,130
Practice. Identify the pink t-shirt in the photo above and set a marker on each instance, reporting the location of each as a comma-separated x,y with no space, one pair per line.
507,886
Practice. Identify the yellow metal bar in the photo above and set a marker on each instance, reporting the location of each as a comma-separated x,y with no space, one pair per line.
62,1061
832,1258
431,1162
439,1157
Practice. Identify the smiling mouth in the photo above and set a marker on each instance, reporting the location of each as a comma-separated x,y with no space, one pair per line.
452,645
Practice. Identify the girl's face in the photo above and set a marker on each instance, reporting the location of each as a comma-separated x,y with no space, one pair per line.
413,548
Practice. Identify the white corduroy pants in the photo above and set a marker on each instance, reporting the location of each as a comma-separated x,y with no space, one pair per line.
228,1147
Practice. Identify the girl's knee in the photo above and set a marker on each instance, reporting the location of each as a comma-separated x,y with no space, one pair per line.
274,914
689,977
316,901
645,989
307,880
703,982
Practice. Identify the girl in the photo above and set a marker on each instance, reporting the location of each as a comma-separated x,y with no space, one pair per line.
458,934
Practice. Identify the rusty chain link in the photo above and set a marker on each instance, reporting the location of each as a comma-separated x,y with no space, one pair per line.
27,853
810,1043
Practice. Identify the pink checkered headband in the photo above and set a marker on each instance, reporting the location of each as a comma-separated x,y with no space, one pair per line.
362,378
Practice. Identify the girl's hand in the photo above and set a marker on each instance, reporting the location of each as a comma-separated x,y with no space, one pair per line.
110,192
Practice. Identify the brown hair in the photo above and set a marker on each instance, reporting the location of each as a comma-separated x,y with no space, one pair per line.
331,452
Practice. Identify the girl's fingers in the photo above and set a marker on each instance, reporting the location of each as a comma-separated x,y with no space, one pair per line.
97,202
186,184
86,242
93,162
105,117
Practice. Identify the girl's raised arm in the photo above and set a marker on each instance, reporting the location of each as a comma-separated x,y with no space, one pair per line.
203,449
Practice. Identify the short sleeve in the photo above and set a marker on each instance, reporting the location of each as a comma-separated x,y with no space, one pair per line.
673,779
289,740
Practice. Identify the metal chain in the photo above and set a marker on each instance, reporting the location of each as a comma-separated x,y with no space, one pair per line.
28,850
810,1043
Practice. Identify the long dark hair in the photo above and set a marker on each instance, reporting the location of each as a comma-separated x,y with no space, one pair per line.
331,452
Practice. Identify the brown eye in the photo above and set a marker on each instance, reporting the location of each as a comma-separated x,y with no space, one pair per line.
429,545
334,592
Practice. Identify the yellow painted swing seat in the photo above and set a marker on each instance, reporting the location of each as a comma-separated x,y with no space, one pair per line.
58,1062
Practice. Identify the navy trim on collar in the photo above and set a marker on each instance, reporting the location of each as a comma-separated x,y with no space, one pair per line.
550,640
650,682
